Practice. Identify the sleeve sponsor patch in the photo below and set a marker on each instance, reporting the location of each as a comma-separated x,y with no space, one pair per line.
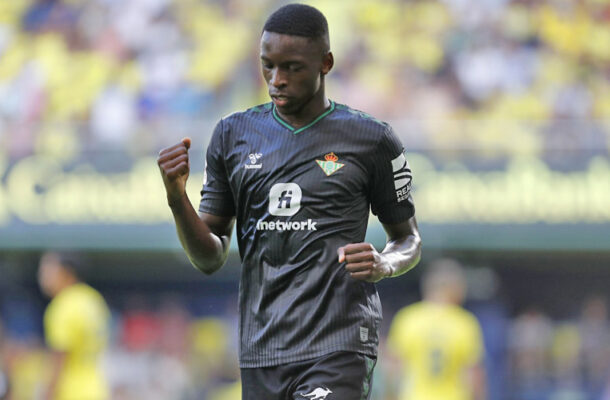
402,177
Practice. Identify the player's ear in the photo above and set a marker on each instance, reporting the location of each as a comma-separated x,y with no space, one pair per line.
328,61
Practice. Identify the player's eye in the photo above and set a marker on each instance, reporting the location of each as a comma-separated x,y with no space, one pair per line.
266,64
295,67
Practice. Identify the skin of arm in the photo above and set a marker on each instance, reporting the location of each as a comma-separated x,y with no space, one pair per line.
477,381
57,360
401,253
204,237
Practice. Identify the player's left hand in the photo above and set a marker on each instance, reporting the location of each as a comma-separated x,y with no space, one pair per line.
364,262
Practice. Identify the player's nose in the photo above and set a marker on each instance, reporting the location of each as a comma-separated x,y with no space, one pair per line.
278,79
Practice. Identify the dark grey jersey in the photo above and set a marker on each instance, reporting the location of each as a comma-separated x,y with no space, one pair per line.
298,195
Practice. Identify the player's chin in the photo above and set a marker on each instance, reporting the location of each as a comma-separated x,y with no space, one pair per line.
288,106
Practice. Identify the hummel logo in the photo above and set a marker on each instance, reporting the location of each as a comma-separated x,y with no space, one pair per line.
254,157
318,394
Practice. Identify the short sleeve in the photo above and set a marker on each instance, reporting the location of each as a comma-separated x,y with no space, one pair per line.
391,184
216,194
474,345
61,324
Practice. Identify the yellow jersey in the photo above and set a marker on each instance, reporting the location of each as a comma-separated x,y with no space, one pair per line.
437,343
76,323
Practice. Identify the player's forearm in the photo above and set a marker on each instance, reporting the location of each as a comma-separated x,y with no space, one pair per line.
477,378
403,254
57,361
206,250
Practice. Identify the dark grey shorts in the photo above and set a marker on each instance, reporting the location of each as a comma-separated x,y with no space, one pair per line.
340,375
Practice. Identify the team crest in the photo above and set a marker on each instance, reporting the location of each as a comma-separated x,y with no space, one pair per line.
330,164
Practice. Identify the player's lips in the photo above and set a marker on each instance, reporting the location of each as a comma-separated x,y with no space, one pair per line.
280,100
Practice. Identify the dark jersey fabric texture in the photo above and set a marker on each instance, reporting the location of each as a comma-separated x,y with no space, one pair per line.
298,195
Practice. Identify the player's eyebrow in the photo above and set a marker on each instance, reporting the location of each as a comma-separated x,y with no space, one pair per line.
285,63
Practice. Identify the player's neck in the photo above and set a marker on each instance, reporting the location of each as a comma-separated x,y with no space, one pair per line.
66,284
442,298
315,107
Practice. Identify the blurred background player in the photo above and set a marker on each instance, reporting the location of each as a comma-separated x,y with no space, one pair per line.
76,330
439,343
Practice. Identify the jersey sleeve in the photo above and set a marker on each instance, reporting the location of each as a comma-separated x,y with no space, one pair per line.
390,191
474,349
216,194
62,325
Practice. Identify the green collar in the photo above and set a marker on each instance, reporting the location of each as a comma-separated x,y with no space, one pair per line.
301,129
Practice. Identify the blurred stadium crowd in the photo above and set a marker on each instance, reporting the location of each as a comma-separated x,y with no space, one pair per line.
498,77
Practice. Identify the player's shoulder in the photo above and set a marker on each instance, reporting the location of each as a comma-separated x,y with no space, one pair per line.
410,312
462,316
83,290
236,124
78,296
255,112
363,119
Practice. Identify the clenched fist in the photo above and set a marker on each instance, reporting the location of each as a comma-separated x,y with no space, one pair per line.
174,165
364,262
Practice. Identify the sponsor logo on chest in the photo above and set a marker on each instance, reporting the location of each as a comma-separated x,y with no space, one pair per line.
285,201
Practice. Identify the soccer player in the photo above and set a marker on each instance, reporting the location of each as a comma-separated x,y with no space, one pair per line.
298,176
438,342
76,330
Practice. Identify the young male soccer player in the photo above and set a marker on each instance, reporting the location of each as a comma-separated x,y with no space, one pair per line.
298,175
76,329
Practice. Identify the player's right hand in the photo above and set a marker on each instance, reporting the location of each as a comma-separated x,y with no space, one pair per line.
174,166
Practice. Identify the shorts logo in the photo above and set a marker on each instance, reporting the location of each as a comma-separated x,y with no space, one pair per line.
318,394
285,199
254,163
402,177
330,164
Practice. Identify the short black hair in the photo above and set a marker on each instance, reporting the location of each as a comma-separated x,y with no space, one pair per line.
298,20
73,261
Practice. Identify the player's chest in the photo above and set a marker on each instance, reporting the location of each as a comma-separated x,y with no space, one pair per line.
318,168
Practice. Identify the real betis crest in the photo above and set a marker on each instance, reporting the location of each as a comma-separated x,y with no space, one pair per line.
330,165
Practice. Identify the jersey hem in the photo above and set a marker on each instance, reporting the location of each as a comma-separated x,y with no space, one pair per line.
298,358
